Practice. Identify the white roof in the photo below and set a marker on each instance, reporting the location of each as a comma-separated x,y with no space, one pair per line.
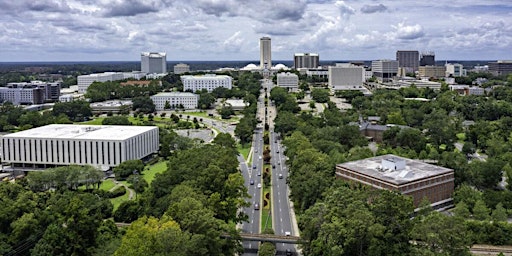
82,132
175,94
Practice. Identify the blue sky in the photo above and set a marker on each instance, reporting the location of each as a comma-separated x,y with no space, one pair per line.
108,30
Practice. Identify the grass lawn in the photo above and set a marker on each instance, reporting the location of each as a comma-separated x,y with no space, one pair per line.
244,150
149,175
197,114
95,121
107,184
266,219
118,200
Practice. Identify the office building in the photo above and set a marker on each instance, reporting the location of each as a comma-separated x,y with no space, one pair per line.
408,60
111,106
427,59
185,100
385,70
265,53
84,81
288,80
500,67
345,76
409,177
455,70
153,62
34,92
181,68
306,60
432,71
67,144
207,81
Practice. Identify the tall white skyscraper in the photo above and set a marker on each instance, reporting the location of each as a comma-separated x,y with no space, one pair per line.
153,62
265,53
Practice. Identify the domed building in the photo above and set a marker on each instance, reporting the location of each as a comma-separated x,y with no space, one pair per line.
250,67
280,67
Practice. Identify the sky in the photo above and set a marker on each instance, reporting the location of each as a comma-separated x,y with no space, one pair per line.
207,30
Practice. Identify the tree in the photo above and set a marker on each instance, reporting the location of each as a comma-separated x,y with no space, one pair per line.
320,95
127,168
205,100
143,104
225,140
226,112
167,105
116,120
480,210
499,213
77,111
138,183
267,249
461,210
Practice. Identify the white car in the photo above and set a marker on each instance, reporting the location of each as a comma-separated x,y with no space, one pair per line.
259,185
287,233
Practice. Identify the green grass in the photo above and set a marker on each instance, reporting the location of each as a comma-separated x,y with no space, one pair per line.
118,200
265,219
149,175
244,150
107,185
95,121
197,114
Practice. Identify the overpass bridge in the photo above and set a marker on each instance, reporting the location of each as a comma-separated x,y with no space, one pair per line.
270,238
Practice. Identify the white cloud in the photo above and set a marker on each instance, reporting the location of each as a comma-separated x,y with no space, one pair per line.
407,32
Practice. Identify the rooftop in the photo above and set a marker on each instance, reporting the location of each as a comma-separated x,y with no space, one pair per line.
174,94
414,169
85,132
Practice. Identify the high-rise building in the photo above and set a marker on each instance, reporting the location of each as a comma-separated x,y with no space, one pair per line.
501,67
432,71
346,76
306,60
265,53
385,70
408,60
153,62
427,59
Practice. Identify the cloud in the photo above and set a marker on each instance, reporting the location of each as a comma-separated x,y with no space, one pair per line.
345,10
373,8
405,32
233,43
129,8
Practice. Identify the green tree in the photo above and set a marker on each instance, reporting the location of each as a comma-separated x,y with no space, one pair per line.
127,168
225,140
76,111
499,213
143,104
267,249
116,120
205,100
480,210
461,210
226,112
138,183
320,95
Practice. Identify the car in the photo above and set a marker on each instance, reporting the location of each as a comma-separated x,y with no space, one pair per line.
251,182
273,166
260,157
289,252
259,174
278,163
287,233
277,151
259,185
256,206
280,176
254,166
256,151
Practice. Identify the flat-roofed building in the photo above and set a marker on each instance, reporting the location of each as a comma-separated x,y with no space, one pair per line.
85,80
68,144
175,100
181,68
153,62
111,106
408,60
409,177
432,71
385,70
265,53
455,70
207,81
500,67
26,95
345,76
288,80
306,60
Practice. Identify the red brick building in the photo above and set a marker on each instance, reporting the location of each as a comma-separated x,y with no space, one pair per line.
407,176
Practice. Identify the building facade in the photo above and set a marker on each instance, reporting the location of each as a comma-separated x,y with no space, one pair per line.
409,60
432,71
111,106
306,60
175,100
455,70
427,59
208,82
409,177
153,62
265,53
500,67
288,80
67,144
385,70
84,81
345,76
181,68
34,92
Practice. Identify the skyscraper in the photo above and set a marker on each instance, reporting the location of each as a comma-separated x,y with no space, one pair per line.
265,53
153,62
306,60
409,60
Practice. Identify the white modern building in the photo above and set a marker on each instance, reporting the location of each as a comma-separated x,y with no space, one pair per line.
29,93
455,70
385,70
345,76
67,144
111,106
265,53
153,62
85,80
176,99
181,68
288,80
208,82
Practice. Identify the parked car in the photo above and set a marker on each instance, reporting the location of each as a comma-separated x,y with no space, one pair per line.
259,185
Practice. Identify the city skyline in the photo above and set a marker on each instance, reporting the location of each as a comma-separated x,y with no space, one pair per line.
83,30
